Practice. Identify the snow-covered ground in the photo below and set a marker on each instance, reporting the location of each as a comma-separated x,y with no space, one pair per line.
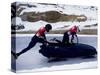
90,13
34,26
66,9
33,61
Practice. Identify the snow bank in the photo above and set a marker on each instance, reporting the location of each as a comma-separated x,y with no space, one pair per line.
91,14
66,9
16,21
33,26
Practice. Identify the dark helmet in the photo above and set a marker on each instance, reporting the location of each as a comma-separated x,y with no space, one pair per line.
48,27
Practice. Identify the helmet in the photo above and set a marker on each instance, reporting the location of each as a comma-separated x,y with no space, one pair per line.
48,27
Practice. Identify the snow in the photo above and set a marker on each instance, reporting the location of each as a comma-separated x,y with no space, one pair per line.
33,61
66,9
90,13
72,64
34,26
16,21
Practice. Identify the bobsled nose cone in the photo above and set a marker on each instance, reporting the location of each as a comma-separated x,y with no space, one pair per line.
93,51
90,50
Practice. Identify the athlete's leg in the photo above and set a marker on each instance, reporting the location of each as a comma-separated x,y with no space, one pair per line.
76,37
65,38
31,44
72,38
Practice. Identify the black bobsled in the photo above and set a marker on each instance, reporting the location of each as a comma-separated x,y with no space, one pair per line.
74,50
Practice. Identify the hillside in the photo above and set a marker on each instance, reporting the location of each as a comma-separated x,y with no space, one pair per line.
35,15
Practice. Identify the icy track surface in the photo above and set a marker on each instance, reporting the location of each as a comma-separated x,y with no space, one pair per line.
32,60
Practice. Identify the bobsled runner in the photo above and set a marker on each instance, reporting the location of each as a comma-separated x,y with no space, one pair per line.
70,51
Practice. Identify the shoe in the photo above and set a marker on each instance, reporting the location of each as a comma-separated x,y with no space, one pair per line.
15,54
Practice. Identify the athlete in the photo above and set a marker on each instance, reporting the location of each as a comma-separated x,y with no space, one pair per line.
38,37
73,32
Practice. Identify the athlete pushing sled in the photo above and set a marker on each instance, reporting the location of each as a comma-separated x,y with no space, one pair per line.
38,37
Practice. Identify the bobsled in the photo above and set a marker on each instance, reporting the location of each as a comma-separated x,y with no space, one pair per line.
71,51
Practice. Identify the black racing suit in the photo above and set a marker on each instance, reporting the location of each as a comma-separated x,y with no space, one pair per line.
64,42
33,42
